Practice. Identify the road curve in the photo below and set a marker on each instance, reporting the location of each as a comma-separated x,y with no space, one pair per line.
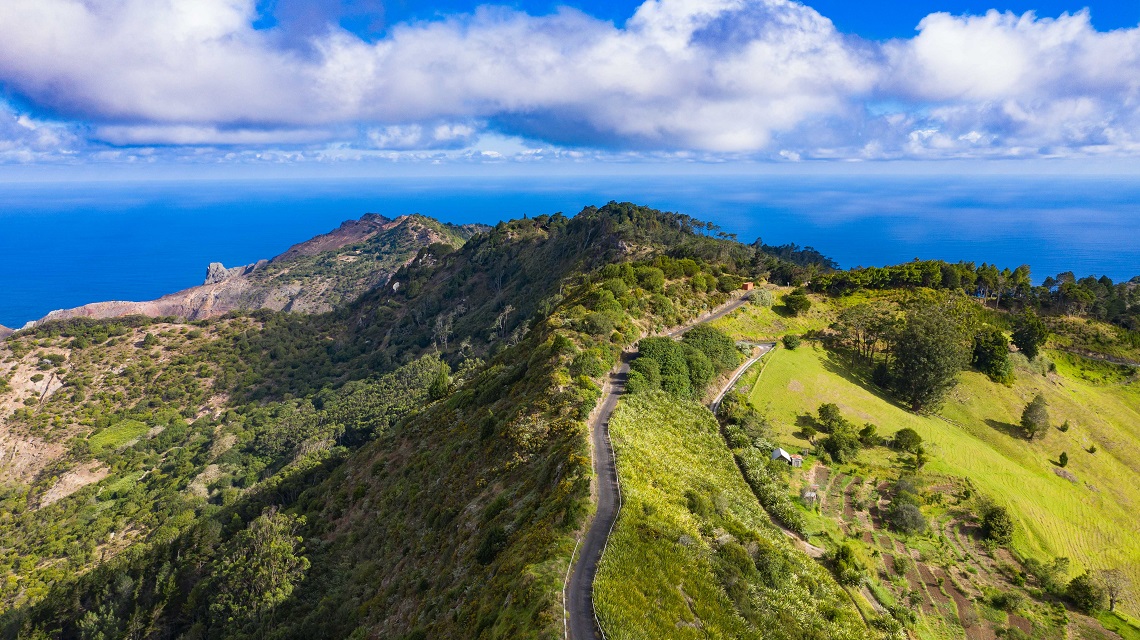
764,348
582,622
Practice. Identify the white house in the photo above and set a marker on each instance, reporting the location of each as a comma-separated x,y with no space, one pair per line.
780,454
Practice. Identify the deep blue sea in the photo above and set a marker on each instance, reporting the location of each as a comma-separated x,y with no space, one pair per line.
66,244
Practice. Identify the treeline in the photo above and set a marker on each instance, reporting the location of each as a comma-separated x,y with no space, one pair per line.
1010,289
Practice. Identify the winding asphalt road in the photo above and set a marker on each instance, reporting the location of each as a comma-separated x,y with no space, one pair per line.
582,623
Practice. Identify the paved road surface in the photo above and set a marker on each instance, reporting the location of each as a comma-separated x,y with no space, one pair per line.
764,347
581,622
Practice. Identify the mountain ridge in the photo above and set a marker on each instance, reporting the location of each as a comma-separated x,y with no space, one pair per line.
310,277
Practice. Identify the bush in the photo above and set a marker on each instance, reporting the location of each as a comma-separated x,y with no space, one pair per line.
1085,593
797,303
729,283
1063,460
869,435
762,298
651,279
494,542
881,376
848,570
1006,600
997,525
715,344
907,519
903,564
791,341
907,439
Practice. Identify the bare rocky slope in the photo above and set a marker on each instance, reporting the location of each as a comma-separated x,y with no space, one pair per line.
311,277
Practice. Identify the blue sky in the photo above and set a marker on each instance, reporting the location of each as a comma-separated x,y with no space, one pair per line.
346,82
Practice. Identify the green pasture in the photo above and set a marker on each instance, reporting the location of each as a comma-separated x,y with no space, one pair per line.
1093,520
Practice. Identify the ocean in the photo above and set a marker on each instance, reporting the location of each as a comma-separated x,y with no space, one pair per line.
67,244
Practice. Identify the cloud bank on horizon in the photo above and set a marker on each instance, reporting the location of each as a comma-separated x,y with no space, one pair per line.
198,80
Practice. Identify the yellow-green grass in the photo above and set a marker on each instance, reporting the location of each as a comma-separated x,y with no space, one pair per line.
1093,521
659,577
770,323
1127,629
117,435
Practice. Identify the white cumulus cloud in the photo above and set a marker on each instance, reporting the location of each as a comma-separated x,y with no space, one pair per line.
767,78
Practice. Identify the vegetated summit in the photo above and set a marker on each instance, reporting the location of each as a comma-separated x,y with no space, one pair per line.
406,454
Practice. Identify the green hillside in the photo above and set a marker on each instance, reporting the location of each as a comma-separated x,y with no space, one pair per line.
1092,520
415,463
694,546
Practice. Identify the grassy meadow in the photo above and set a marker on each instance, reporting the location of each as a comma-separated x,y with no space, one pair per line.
1092,519
693,555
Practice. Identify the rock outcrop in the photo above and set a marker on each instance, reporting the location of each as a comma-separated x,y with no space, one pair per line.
311,277
5,332
217,272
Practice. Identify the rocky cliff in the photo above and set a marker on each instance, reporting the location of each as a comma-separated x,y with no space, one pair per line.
5,332
311,277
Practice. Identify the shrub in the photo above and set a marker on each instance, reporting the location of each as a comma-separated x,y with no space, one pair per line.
797,303
1085,593
729,283
907,518
903,564
997,525
869,435
848,570
493,542
651,279
1063,460
762,298
907,439
791,341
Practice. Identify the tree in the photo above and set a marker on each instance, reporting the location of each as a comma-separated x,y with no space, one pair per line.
920,457
1064,459
841,444
809,432
904,513
441,383
991,354
929,353
1035,417
907,439
791,341
261,566
796,302
869,435
907,518
829,416
997,525
1029,334
1085,593
1115,584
